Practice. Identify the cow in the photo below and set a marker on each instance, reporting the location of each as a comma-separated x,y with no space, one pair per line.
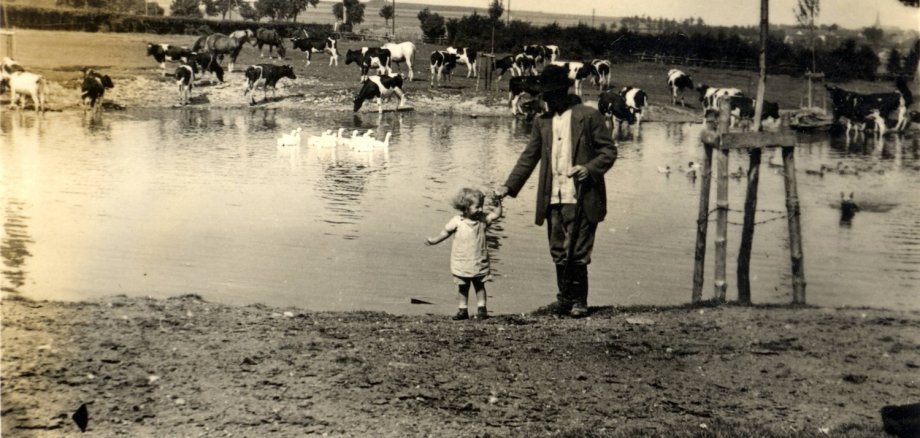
93,89
269,74
206,62
524,65
636,99
742,108
678,81
328,46
167,52
603,68
185,78
503,64
710,97
542,54
519,85
380,87
401,52
7,67
442,64
271,38
578,71
857,107
466,56
367,58
220,44
32,84
612,104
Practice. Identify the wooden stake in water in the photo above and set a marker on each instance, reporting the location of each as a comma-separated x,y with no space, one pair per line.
721,242
795,228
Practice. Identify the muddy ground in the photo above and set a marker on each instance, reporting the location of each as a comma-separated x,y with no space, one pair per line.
185,367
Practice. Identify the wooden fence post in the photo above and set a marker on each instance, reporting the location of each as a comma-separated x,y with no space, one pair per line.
702,220
747,229
721,241
795,229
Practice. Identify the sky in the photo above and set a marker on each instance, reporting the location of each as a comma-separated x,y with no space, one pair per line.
851,14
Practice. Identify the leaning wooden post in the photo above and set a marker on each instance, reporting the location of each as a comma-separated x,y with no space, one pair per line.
721,241
795,229
710,139
747,230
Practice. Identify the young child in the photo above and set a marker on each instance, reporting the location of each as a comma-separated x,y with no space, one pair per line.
469,258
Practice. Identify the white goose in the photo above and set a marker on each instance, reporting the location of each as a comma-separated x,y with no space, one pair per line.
292,139
327,139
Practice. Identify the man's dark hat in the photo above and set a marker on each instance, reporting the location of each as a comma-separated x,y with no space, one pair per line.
554,77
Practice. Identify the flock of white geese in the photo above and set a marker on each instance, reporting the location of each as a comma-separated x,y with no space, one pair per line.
331,139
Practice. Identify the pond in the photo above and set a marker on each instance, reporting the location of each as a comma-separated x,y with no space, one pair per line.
195,201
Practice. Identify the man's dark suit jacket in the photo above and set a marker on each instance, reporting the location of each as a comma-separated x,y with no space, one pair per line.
592,147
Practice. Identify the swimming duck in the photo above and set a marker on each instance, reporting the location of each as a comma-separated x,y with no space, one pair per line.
292,139
326,140
737,175
665,170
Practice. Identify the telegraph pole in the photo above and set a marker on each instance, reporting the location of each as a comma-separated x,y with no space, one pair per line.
509,13
394,20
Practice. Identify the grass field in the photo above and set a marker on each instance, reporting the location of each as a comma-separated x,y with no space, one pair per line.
61,56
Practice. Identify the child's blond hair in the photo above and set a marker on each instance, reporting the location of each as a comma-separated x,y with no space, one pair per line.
468,197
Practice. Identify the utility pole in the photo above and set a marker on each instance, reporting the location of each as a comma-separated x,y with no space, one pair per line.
509,15
394,20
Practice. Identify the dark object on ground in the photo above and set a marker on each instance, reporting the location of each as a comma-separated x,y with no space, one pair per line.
81,417
902,421
417,301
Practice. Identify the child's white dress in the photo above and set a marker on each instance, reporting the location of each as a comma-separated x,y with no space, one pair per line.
469,257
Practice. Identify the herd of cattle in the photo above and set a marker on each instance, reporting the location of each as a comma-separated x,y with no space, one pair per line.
623,105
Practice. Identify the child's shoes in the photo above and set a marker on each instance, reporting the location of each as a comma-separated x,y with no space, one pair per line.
460,315
482,313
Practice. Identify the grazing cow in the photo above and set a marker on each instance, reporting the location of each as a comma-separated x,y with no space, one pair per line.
710,97
612,104
207,62
542,54
380,87
524,65
578,71
367,58
269,74
401,52
552,52
742,108
504,64
466,56
26,83
185,77
678,81
93,88
329,46
220,44
7,67
271,38
167,52
636,99
858,107
442,64
519,85
603,68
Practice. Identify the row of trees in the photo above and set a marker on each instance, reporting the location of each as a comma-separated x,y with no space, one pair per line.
274,10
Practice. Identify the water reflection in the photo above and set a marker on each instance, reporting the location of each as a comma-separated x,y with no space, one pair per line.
15,246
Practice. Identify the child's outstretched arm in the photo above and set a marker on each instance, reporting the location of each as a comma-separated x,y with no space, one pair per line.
496,212
438,239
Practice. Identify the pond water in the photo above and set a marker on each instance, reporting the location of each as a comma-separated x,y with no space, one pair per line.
166,202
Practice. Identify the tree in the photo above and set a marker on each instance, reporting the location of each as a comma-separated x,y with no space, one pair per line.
154,8
210,8
222,7
496,9
432,24
386,12
805,14
248,12
186,8
355,11
874,34
298,6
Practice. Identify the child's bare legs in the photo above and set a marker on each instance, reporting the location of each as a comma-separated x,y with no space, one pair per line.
481,298
463,293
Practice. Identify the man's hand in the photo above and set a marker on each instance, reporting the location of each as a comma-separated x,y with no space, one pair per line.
579,172
501,192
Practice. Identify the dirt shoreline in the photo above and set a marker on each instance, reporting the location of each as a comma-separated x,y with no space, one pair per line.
186,367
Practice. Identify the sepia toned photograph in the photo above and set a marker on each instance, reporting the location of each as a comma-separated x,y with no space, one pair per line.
445,218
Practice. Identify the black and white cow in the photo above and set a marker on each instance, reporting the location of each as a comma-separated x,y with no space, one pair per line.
711,97
542,54
185,77
612,104
93,89
328,46
524,65
7,67
206,62
636,99
167,52
742,108
399,53
272,39
380,87
442,65
269,74
604,68
857,107
579,71
503,65
366,58
678,81
466,56
519,85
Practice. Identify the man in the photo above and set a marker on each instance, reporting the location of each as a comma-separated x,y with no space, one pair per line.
575,150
